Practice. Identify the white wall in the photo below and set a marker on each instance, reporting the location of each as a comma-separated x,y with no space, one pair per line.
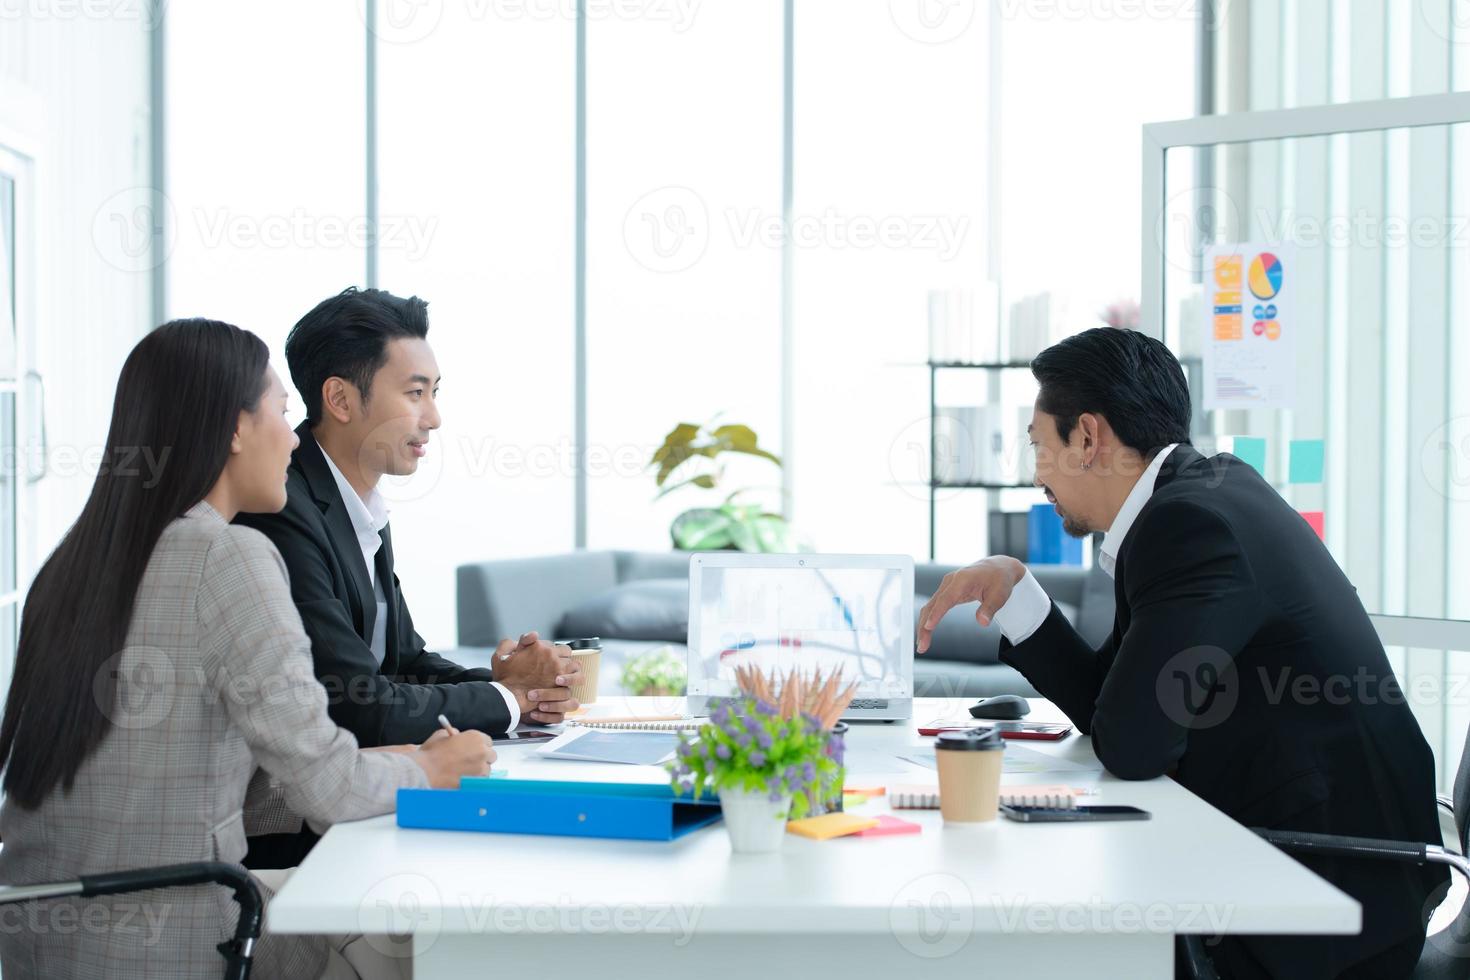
74,93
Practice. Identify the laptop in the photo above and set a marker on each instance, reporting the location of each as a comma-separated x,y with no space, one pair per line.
804,612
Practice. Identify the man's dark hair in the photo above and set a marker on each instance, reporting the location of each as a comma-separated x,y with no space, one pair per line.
1133,381
346,336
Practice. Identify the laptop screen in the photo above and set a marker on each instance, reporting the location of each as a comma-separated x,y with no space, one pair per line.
822,616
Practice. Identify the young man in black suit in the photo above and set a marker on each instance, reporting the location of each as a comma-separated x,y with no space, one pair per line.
1241,660
369,379
363,365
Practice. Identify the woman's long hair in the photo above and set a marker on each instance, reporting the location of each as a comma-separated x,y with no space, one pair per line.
177,407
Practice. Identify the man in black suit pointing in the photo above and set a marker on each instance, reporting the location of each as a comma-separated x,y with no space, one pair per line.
1241,660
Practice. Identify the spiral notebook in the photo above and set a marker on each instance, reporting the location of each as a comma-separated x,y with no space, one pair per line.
927,797
634,725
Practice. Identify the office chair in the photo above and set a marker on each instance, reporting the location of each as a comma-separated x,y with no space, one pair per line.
236,951
1446,954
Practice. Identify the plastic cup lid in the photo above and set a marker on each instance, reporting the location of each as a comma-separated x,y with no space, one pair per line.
970,740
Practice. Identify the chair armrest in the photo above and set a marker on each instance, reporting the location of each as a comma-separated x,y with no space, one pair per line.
236,951
499,599
1334,845
1449,830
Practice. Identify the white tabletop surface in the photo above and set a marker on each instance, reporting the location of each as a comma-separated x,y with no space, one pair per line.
1190,869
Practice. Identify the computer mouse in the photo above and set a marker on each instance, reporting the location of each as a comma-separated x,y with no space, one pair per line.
1002,707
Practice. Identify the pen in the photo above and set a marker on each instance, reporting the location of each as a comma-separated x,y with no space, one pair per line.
444,724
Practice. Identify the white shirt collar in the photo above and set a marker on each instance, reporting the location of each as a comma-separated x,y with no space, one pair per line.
1107,556
368,517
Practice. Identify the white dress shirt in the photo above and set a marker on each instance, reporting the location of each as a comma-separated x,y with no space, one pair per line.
369,517
1029,605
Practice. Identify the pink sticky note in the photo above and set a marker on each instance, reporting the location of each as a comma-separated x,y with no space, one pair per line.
888,826
1314,518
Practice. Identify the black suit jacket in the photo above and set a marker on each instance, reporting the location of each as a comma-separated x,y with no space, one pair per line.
1242,660
399,702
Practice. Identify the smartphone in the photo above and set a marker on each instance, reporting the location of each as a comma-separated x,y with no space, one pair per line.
528,736
1046,731
1049,814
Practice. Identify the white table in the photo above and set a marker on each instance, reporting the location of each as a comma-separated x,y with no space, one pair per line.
998,899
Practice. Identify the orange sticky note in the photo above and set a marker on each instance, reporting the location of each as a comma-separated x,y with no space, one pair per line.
830,825
1315,518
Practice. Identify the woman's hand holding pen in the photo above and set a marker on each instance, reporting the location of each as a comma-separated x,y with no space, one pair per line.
449,754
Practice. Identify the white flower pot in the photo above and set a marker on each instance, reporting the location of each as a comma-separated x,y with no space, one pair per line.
755,822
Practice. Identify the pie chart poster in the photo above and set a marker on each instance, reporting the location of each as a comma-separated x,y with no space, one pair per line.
1249,330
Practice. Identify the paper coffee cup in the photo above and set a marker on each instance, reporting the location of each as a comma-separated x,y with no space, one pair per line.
588,654
969,774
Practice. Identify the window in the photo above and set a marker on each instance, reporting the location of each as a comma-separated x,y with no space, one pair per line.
915,162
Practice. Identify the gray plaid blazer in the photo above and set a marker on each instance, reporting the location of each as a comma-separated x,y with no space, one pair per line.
218,724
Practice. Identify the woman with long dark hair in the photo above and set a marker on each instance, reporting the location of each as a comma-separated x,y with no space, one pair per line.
163,693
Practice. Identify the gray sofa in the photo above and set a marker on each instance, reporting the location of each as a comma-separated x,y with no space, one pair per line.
637,601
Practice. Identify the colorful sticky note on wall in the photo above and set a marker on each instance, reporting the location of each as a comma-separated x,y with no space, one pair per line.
1252,450
1306,461
1314,518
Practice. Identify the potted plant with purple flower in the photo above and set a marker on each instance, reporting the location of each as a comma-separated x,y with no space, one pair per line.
766,767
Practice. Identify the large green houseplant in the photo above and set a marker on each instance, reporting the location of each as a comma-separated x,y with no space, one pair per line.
690,457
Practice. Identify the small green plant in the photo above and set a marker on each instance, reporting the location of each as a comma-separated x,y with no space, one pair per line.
655,673
689,457
747,745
